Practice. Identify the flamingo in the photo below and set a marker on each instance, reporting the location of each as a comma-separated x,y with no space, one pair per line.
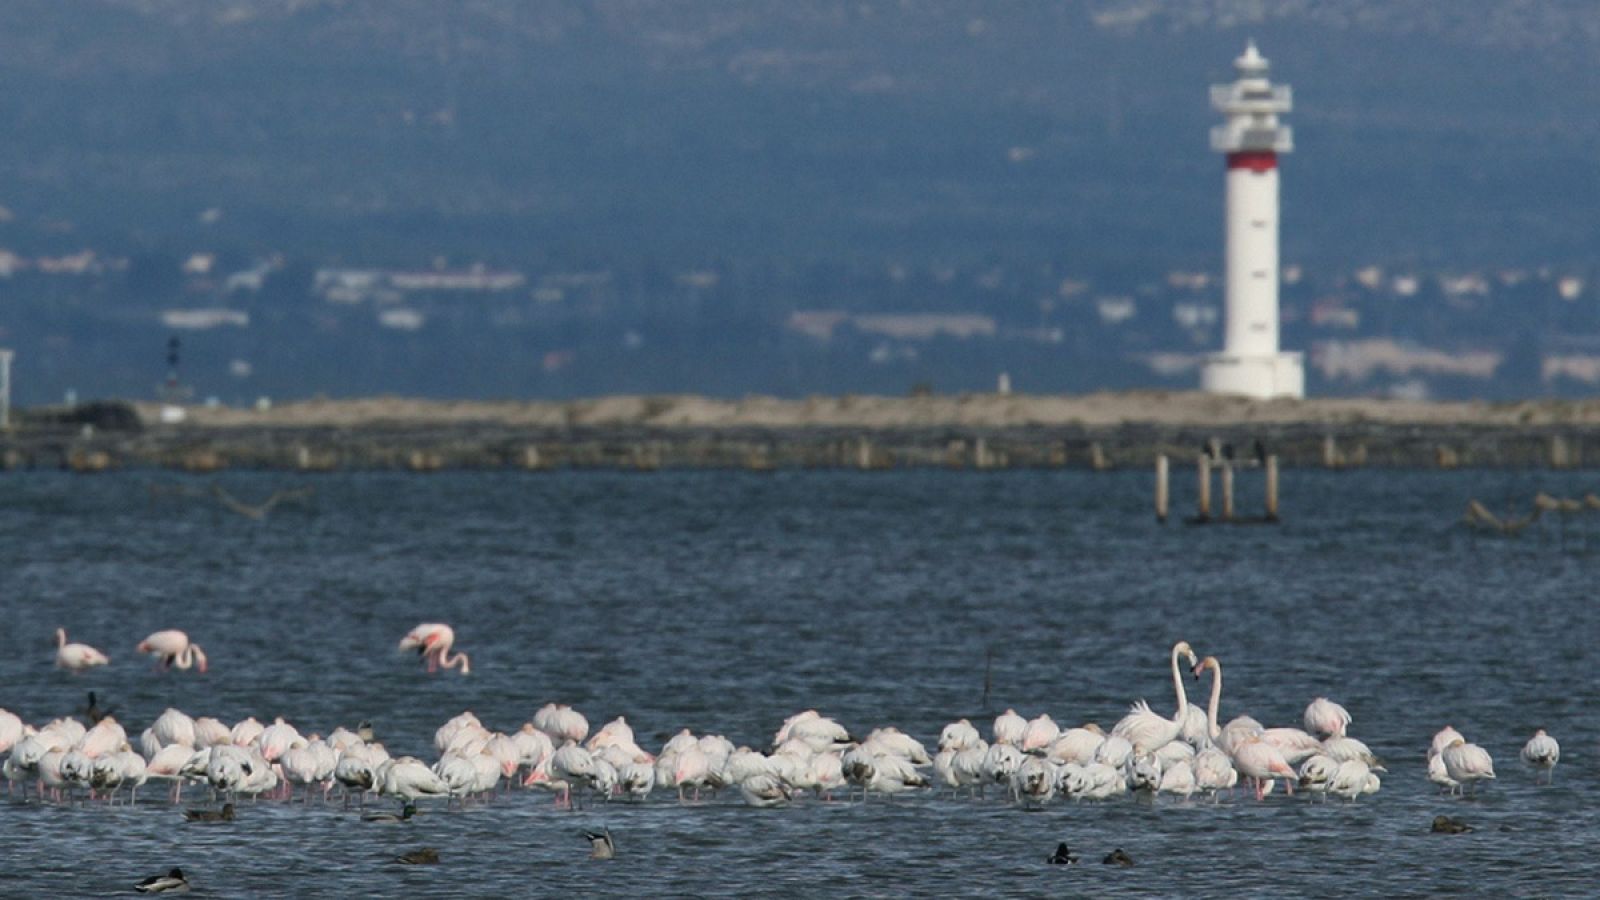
820,733
1010,728
1438,775
959,735
10,729
1352,779
637,780
1251,756
1077,745
432,641
1040,733
1542,752
1261,762
1327,718
173,648
1178,779
76,657
1146,730
1295,745
561,723
1467,763
763,791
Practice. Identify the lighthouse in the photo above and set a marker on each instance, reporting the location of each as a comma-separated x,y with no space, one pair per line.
1250,139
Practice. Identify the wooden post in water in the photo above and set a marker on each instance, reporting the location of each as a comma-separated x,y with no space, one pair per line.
1272,488
1330,452
1227,491
1161,488
1205,489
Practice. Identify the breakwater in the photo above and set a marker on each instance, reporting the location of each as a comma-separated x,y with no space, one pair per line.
422,446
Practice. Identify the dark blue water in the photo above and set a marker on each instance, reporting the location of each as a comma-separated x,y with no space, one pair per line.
723,602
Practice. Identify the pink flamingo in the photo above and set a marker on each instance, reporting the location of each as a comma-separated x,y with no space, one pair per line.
76,657
433,641
173,648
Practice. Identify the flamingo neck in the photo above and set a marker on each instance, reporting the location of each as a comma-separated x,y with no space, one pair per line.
189,656
1216,699
1177,684
446,661
61,638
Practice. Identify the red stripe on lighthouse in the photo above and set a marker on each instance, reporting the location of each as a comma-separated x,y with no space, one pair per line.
1254,160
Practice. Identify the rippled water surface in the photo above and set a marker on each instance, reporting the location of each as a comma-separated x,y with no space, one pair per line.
725,601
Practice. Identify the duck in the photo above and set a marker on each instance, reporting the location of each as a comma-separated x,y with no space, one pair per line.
1062,856
423,856
1117,858
171,883
94,712
601,846
404,815
210,815
1447,825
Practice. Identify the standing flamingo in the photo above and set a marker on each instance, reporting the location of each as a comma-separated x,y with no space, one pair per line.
1467,763
173,648
433,641
76,657
1251,756
1143,727
1542,752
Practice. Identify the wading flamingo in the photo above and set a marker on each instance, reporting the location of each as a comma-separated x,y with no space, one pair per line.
76,657
1251,756
1143,727
173,648
1542,753
433,641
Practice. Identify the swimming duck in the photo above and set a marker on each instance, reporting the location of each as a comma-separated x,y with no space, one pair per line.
1118,858
404,815
94,712
1062,857
425,856
1447,825
171,883
601,845
210,815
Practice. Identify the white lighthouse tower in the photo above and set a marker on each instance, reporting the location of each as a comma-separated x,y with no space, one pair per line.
1251,138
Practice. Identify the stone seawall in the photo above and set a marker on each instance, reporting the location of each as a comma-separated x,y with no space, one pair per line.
200,448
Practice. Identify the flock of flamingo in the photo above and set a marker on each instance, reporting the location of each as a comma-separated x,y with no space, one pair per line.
1032,761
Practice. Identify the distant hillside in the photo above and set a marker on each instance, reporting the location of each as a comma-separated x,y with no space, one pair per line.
741,197
800,129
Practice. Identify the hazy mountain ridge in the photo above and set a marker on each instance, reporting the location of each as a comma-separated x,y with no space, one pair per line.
861,156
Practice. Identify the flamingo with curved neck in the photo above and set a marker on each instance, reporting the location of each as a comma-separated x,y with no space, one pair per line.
432,641
173,648
1148,731
1252,757
1211,663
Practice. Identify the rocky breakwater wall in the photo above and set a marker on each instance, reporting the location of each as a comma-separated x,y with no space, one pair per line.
1101,431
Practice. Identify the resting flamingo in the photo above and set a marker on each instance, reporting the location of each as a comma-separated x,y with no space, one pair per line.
1327,718
1542,753
173,648
76,657
1466,763
432,641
